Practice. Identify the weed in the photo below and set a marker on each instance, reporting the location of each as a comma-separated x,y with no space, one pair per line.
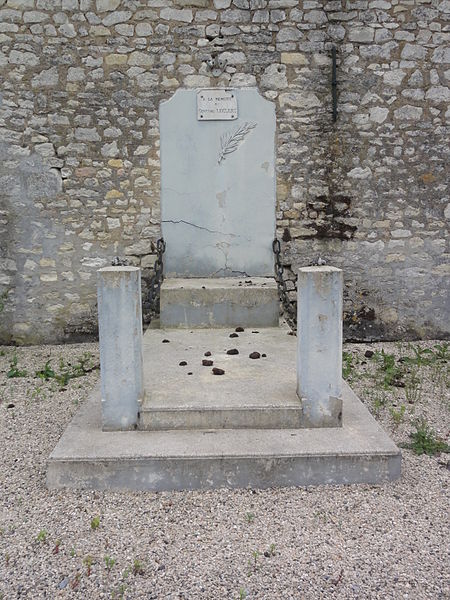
109,562
440,376
46,373
253,562
397,415
38,393
85,364
242,594
442,351
81,368
7,559
95,523
88,561
391,373
42,536
377,397
347,366
120,592
72,552
413,387
13,370
270,551
138,568
125,573
249,517
422,356
425,440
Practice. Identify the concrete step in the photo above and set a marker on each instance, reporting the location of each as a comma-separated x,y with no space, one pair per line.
88,458
182,393
219,302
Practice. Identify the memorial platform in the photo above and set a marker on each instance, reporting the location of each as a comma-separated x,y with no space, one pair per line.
239,429
219,302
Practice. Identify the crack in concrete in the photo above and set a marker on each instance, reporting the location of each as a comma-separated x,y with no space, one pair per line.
233,235
227,272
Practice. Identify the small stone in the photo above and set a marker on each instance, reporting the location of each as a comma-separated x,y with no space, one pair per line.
172,14
217,371
117,16
107,5
46,78
64,583
233,351
190,373
368,353
239,329
254,355
233,335
264,355
183,363
207,353
110,150
10,405
166,341
207,363
255,331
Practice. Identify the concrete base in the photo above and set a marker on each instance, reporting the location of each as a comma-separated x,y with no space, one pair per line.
358,452
253,393
221,302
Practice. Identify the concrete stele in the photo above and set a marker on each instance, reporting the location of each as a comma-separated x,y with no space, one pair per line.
218,188
120,333
319,345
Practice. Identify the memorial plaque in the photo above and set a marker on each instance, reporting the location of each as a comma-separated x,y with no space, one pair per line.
216,105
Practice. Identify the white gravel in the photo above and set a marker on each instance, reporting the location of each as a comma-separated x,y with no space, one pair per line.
388,541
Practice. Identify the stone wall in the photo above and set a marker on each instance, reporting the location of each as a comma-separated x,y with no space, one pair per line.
81,82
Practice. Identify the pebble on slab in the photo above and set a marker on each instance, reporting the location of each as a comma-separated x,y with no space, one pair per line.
233,335
207,353
240,329
166,341
368,353
183,363
207,363
233,351
254,355
255,331
217,371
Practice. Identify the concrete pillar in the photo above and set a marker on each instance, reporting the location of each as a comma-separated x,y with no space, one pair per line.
319,345
120,332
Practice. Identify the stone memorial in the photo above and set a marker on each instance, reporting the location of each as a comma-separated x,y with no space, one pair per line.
218,183
236,402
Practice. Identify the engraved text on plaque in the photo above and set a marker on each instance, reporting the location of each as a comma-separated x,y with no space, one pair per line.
216,105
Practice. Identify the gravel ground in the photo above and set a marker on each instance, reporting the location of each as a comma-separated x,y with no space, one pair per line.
387,541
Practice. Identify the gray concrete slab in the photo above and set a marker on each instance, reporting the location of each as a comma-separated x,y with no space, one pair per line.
218,192
87,457
219,302
252,393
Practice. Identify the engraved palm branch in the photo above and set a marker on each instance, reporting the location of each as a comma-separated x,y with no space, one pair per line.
229,142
